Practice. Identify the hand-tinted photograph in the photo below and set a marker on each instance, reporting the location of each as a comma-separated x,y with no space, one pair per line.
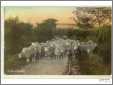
57,40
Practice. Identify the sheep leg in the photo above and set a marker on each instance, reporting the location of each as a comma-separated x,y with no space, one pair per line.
27,60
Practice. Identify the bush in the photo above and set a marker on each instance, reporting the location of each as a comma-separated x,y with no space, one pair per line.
104,44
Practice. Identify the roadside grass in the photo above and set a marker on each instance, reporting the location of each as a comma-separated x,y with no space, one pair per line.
12,62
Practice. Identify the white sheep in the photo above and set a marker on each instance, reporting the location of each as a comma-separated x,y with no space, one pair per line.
25,53
88,46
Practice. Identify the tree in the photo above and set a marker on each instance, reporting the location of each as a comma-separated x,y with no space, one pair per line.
46,29
11,34
101,14
17,35
89,17
82,18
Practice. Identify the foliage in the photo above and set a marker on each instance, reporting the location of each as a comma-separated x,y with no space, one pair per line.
87,17
104,44
45,30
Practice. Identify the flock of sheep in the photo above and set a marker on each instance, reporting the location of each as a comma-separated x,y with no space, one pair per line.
56,48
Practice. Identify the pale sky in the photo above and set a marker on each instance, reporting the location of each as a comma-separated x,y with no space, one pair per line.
37,14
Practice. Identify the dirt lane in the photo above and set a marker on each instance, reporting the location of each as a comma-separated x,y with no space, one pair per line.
46,66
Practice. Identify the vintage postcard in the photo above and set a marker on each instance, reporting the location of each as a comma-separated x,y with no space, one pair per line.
56,41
